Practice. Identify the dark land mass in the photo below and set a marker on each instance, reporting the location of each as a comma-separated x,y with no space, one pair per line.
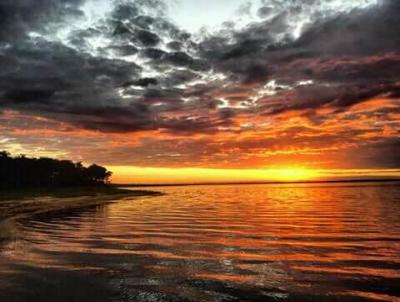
24,172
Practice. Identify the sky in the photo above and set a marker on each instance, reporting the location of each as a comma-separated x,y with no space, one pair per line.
193,15
198,91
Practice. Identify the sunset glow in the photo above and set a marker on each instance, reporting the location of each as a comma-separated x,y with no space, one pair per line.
190,175
199,150
141,175
259,90
293,174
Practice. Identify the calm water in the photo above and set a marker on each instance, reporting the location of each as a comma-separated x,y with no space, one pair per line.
214,243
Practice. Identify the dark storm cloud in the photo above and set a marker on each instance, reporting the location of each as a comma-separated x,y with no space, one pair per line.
109,119
125,50
179,59
41,65
125,12
175,45
153,53
360,33
135,70
383,67
71,80
144,82
146,38
350,57
337,96
30,95
19,16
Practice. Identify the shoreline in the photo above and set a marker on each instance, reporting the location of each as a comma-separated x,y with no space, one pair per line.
17,204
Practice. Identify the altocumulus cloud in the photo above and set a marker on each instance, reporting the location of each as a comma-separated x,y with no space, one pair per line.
125,66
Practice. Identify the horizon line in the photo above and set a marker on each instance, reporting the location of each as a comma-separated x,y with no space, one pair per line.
259,182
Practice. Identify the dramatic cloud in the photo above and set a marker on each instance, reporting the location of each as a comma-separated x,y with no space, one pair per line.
289,80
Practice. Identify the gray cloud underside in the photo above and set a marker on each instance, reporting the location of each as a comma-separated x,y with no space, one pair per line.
133,69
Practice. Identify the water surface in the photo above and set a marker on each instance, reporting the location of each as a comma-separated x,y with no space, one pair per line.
336,242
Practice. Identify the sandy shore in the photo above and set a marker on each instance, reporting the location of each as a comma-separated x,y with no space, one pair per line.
21,204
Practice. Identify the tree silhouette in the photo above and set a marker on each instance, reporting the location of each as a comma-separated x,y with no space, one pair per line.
21,171
97,173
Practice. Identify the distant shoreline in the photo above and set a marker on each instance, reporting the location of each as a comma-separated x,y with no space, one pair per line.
384,180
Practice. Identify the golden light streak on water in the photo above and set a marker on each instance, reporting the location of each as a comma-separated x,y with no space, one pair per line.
325,242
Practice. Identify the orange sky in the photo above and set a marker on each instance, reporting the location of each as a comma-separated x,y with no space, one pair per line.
140,175
287,147
263,92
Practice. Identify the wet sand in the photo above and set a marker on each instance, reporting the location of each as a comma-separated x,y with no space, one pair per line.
19,204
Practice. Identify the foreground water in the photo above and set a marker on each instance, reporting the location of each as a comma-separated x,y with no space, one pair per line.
332,242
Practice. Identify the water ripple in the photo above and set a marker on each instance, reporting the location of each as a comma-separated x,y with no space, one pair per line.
216,243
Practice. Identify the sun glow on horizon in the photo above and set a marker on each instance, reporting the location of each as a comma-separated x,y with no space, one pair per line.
292,174
154,175
128,174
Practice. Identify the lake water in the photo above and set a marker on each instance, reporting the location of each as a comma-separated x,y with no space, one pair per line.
336,242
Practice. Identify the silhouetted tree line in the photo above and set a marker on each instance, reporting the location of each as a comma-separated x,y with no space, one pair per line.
20,171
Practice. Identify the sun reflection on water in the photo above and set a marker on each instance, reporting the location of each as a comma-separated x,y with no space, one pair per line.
209,242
